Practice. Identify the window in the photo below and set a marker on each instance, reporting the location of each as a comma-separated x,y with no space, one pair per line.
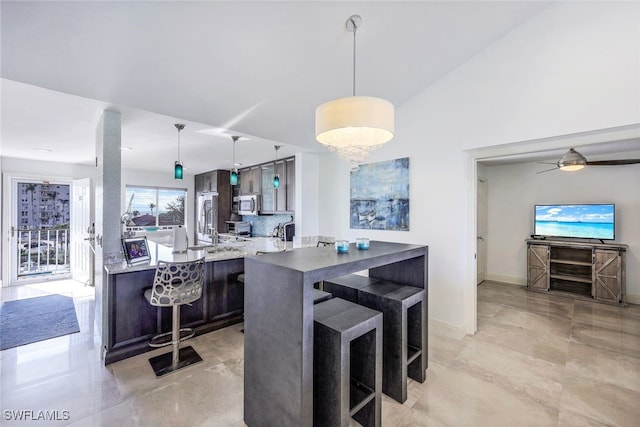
155,206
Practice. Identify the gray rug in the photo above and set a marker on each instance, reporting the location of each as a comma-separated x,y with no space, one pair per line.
36,319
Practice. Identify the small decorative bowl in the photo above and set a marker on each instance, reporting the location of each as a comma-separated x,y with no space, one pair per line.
342,246
362,243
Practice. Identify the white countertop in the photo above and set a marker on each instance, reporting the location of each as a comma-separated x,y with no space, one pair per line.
162,250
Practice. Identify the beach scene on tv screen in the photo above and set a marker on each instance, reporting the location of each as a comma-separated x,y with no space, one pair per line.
584,221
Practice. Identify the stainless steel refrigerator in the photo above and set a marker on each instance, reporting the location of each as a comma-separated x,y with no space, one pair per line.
207,217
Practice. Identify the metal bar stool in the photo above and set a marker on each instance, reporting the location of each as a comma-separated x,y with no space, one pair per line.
174,284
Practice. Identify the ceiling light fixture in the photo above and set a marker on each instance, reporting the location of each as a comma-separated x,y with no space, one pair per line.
356,125
572,161
233,177
177,169
276,178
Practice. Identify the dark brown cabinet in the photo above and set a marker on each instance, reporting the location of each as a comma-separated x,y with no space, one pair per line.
133,321
259,180
590,270
251,180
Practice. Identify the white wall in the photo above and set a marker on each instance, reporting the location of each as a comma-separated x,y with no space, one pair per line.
573,68
308,184
515,189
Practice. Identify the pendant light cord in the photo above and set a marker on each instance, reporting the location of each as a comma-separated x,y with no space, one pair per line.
355,29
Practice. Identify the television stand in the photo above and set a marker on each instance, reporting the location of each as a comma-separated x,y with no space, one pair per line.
593,271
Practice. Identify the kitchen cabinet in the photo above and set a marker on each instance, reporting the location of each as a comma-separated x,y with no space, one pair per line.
251,180
259,180
133,321
268,192
290,166
585,270
203,182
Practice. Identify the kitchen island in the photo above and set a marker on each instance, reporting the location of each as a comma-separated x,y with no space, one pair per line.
132,321
278,351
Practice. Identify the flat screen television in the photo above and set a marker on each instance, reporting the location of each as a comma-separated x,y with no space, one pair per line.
588,221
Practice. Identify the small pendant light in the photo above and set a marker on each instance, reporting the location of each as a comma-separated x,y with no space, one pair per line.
177,169
276,178
233,177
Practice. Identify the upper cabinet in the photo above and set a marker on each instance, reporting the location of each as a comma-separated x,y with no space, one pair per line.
251,180
259,180
268,192
290,165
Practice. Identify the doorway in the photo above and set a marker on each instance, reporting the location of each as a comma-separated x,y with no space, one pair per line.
43,215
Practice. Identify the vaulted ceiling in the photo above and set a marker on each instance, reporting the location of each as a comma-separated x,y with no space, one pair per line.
255,69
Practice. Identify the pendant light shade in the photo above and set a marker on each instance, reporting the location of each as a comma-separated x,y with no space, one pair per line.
233,176
276,178
177,168
354,126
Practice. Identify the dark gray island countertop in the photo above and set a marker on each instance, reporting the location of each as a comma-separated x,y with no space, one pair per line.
278,351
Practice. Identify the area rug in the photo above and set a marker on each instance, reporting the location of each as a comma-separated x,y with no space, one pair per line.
30,320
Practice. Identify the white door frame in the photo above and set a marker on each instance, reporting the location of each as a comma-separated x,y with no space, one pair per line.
599,136
9,216
481,242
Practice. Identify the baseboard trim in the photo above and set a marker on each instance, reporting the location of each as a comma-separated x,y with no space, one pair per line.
446,329
522,281
632,299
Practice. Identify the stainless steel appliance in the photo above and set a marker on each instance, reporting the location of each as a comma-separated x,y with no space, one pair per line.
207,215
239,228
249,204
289,230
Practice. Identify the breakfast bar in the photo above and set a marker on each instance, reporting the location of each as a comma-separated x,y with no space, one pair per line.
132,321
279,321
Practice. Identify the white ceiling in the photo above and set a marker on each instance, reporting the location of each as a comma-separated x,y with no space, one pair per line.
256,69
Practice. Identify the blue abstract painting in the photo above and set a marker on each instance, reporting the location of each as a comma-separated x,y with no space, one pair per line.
380,196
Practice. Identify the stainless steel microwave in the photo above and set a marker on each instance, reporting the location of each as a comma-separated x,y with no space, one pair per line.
248,205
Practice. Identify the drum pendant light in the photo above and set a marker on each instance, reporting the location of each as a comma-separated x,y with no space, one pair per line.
177,168
356,125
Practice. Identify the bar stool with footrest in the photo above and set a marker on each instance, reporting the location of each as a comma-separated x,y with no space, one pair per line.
175,284
403,310
347,364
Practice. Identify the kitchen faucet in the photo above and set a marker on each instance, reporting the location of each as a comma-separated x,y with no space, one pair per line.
214,237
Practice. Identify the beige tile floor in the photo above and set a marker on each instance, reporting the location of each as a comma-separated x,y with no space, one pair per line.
536,360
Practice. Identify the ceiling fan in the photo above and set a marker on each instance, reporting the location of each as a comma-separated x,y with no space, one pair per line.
573,161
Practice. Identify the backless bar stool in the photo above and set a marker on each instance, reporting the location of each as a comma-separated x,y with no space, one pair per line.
174,284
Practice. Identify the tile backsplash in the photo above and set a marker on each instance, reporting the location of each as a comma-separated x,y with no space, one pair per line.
263,225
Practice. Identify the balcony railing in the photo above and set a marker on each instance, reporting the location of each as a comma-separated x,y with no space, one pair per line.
43,251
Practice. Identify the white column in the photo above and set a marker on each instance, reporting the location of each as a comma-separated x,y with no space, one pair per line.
108,178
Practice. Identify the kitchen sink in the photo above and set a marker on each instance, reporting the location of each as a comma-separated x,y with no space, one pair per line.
215,249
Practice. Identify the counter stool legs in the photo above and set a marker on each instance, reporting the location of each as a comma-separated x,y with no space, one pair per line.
179,357
174,284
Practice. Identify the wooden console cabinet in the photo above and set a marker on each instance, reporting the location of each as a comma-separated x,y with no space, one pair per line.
588,270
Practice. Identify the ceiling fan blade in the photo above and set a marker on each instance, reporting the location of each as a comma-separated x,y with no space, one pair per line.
548,163
614,162
548,170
